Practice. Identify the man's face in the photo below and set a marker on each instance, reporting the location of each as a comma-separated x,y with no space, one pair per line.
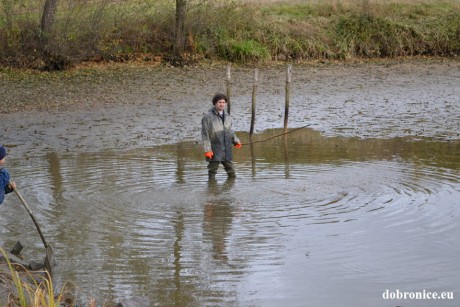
220,105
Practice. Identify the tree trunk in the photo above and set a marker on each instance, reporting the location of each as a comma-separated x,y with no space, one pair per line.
47,21
181,11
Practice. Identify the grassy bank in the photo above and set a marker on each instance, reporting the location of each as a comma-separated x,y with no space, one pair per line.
236,31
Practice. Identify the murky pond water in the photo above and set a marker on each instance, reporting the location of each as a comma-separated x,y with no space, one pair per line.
365,200
334,221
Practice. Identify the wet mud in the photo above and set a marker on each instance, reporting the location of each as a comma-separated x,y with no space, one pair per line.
142,107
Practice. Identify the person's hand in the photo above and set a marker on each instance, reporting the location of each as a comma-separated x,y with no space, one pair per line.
238,145
12,185
209,154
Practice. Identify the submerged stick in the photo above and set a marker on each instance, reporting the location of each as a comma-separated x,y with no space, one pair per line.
278,135
49,251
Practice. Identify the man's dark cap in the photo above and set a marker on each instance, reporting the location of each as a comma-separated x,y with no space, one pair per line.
2,152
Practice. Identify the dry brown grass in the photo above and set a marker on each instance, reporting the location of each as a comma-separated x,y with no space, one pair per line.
244,30
343,2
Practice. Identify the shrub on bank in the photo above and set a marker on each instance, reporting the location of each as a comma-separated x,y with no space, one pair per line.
234,31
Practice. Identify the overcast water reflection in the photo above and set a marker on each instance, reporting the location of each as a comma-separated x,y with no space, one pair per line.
310,220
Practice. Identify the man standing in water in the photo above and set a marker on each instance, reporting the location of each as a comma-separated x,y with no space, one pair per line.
5,185
218,137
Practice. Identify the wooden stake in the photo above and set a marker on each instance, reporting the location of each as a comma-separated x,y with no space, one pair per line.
286,104
254,91
229,83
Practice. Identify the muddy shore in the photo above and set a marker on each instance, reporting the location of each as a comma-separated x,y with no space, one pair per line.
123,107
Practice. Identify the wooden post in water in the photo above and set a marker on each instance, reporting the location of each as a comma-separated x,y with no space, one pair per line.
254,91
253,160
288,90
287,172
229,83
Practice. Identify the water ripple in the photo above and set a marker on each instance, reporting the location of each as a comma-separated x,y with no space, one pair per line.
143,218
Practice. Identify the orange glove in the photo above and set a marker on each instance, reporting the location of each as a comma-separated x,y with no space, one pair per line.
237,145
209,154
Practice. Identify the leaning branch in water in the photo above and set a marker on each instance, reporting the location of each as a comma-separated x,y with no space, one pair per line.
275,136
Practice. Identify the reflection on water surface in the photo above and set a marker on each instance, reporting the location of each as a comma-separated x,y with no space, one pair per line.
334,221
